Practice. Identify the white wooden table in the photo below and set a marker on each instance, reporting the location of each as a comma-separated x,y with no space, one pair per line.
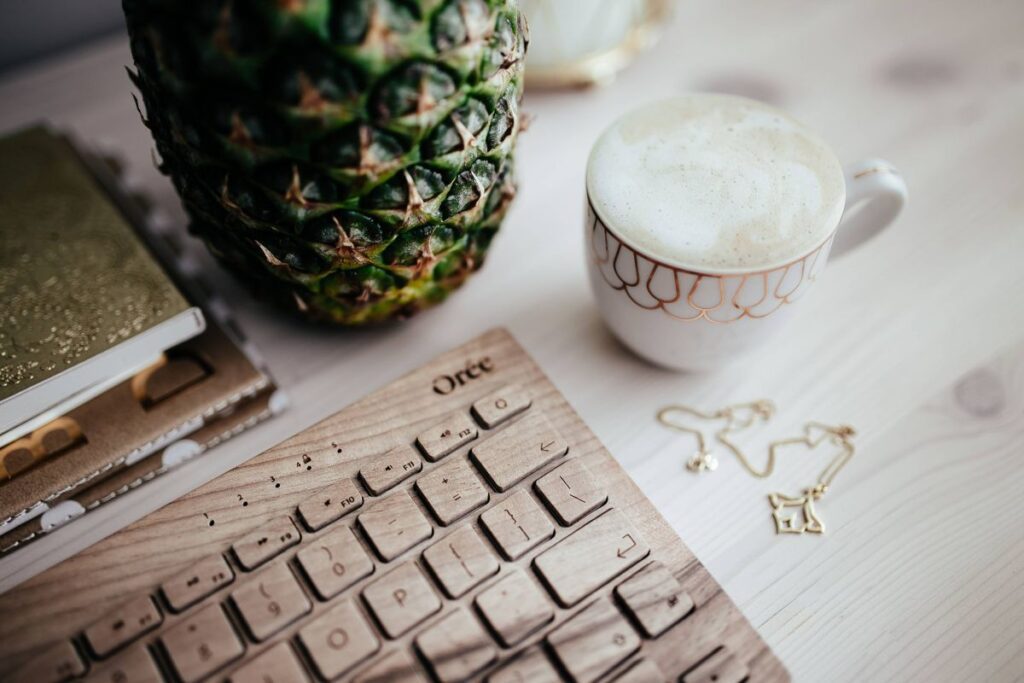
917,339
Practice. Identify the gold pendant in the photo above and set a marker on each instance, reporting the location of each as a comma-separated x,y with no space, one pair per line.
793,524
702,462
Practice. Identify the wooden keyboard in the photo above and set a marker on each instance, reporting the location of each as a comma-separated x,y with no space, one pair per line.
459,524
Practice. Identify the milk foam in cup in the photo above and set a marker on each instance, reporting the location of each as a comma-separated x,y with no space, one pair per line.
709,215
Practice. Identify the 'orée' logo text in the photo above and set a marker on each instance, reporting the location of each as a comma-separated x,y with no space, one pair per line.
446,384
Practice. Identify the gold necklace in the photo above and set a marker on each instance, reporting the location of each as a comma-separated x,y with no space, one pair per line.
738,417
792,524
743,416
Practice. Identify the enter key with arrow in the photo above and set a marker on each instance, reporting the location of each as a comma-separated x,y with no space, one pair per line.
591,557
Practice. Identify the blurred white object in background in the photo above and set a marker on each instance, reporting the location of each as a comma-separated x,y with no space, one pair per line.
586,42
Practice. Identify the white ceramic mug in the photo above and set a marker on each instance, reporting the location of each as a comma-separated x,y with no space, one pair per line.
699,319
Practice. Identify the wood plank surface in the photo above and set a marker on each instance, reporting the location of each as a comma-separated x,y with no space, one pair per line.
921,574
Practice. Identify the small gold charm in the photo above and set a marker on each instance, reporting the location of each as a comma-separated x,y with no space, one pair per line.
792,524
702,462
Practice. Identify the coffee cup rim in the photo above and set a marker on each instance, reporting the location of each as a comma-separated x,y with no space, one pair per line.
718,272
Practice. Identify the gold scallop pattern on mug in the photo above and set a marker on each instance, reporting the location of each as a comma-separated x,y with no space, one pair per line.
688,296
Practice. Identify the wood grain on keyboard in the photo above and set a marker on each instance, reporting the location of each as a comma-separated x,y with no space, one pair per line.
253,509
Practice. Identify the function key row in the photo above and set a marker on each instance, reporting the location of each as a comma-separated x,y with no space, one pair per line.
456,430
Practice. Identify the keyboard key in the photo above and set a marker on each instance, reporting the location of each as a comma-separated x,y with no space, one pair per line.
394,524
440,440
388,470
655,598
590,557
594,641
395,667
123,625
644,671
203,578
460,561
720,667
266,542
501,405
401,599
511,455
270,601
338,640
133,665
452,491
533,666
58,663
277,664
514,607
517,525
334,561
571,492
456,647
201,644
330,504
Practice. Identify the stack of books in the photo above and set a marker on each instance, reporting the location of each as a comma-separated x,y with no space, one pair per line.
110,372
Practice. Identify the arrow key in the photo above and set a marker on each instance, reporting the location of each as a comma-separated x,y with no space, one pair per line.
584,561
518,451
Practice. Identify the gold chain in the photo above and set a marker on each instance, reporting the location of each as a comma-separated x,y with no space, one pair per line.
738,417
743,416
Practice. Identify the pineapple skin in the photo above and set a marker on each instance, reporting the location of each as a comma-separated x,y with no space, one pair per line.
349,159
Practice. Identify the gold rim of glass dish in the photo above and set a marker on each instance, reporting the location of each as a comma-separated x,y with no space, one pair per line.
600,68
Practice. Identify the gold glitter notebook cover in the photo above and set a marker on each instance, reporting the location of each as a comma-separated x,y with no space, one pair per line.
75,279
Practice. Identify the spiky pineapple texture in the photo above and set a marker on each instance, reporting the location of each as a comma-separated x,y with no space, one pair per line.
351,158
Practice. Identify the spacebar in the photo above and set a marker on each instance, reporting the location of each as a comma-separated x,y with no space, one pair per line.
591,557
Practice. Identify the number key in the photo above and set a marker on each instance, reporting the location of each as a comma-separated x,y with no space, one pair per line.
202,644
270,601
334,562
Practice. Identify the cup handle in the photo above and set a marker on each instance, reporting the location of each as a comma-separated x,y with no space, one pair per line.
875,195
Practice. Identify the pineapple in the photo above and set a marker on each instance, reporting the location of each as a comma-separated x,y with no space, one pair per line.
351,159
